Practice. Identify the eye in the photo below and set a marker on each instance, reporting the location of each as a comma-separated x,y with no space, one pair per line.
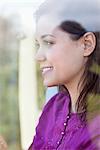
48,42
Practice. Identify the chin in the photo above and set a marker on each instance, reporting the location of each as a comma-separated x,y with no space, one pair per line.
49,84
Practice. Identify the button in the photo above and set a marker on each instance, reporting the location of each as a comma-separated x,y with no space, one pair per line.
65,123
62,133
67,117
58,142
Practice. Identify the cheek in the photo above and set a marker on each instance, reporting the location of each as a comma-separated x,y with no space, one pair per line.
66,59
53,55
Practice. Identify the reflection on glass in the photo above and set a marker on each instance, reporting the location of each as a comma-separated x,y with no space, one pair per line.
9,117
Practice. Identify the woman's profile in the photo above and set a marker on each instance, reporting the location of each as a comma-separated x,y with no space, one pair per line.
68,51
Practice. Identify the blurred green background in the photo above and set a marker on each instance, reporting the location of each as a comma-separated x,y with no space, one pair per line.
9,113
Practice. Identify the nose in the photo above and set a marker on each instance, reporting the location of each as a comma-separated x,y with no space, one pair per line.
40,56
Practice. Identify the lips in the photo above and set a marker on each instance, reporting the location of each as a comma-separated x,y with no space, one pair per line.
46,69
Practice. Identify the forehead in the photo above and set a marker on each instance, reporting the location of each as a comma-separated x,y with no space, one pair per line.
46,25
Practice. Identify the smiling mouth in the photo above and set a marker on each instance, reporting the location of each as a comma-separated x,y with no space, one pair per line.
46,70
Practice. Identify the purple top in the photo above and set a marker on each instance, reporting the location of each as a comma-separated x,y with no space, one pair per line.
58,129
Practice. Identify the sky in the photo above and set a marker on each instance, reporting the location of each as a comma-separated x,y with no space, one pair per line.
22,8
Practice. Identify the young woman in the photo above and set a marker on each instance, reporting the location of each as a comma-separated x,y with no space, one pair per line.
68,40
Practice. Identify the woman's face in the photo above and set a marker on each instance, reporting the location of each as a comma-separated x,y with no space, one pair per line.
61,59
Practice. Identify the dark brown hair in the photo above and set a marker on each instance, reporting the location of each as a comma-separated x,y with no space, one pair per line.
91,77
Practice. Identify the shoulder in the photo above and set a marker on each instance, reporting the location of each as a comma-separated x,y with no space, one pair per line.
94,131
58,105
94,127
57,100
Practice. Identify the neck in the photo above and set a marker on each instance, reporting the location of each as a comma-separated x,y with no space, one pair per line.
74,91
74,94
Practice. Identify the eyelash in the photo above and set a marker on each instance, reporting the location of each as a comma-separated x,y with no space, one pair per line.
48,42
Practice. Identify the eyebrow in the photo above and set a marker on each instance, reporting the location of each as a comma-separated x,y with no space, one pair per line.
46,35
43,36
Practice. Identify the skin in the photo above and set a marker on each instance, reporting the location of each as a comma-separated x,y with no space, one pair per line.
3,144
66,57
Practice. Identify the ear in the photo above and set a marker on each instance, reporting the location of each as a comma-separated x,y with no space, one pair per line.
89,40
